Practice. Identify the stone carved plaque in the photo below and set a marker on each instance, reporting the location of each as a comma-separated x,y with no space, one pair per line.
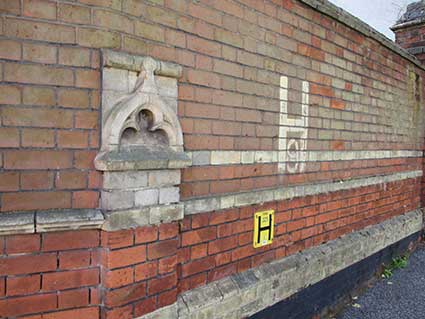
142,141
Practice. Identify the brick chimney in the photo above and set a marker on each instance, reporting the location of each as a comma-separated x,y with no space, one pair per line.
410,30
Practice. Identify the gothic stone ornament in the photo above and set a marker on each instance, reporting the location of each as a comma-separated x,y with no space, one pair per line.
142,142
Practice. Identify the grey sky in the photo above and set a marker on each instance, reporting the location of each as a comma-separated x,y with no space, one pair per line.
380,14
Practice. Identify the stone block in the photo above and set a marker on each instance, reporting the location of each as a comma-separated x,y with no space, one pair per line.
112,200
164,178
169,195
125,180
166,213
147,197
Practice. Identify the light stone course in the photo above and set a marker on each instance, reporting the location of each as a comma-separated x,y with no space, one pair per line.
194,206
244,294
255,157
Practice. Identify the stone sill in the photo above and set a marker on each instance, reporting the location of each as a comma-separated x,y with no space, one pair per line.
49,221
142,158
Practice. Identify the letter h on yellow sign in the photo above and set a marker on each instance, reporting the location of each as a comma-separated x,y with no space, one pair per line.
263,228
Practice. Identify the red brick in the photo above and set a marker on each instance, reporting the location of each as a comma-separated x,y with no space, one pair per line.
203,78
162,249
2,286
18,244
198,251
198,266
221,245
9,181
86,313
87,120
32,201
198,236
9,94
9,137
85,199
167,264
126,256
336,104
74,259
26,285
146,270
13,307
27,264
36,180
87,79
321,90
70,279
200,220
243,252
161,284
73,98
70,240
118,278
38,138
37,159
38,74
144,307
167,298
73,298
11,6
84,159
117,239
121,296
95,296
72,139
73,179
167,231
119,313
222,272
224,217
146,234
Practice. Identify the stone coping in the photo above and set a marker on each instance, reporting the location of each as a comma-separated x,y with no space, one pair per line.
71,219
122,60
244,294
141,158
51,220
337,13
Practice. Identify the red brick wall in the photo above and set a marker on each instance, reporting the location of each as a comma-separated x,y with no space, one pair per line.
57,274
233,53
133,272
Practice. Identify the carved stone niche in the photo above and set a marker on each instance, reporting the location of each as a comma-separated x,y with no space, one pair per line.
142,142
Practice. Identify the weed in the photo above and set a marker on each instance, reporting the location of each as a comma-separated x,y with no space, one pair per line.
396,263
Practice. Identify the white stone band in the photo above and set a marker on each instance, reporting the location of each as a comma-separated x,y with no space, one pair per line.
204,158
195,206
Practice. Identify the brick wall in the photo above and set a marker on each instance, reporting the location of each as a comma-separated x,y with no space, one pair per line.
365,129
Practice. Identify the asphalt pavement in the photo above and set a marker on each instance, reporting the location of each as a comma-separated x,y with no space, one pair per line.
400,297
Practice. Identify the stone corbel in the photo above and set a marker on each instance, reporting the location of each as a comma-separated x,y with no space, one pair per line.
142,141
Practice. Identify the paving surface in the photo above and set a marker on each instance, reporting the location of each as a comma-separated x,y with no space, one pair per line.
400,297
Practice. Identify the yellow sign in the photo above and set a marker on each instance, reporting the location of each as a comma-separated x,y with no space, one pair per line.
263,228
